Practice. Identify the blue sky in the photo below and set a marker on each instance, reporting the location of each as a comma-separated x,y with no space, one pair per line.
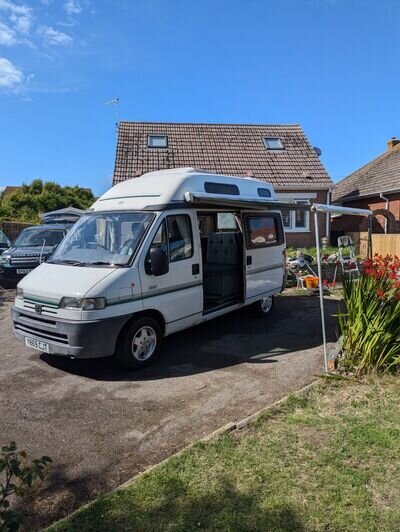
330,65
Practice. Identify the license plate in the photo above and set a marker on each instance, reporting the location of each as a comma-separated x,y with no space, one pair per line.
37,344
23,271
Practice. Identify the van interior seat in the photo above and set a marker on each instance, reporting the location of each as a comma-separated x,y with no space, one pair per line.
222,271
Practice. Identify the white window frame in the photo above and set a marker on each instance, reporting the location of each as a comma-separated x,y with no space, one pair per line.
267,140
299,198
159,136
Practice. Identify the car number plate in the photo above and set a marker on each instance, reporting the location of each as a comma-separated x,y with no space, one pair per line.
23,271
37,344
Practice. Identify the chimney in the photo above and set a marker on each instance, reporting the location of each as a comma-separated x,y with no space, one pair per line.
392,143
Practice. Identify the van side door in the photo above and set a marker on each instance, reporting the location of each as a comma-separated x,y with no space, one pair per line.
264,248
177,294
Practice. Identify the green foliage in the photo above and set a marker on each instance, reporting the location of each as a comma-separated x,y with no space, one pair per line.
27,203
329,250
370,325
17,478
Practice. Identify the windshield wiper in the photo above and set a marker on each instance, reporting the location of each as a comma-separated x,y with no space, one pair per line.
102,263
67,261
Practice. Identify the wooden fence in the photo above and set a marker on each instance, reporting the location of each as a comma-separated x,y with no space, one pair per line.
13,229
382,244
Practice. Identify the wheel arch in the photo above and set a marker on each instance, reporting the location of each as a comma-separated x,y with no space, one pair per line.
147,313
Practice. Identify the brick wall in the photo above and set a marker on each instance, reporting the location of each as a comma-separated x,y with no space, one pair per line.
307,239
354,223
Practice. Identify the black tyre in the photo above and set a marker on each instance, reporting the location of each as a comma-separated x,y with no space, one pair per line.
139,344
264,306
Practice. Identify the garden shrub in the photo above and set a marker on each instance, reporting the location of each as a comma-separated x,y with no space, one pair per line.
17,476
370,323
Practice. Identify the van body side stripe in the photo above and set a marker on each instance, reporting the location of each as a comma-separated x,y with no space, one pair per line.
155,293
264,269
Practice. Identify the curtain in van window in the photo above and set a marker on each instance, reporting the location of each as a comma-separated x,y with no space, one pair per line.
180,237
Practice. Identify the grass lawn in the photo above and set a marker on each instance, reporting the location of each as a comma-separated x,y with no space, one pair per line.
326,461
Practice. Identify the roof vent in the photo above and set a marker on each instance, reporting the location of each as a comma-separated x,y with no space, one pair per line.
306,175
392,143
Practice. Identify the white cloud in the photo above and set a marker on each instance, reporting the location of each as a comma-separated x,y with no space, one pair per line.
17,9
22,23
72,7
11,77
7,35
51,36
16,22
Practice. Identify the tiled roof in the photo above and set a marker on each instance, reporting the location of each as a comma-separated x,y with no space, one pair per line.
380,175
232,149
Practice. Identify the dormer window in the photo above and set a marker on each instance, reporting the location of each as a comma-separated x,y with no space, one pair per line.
273,143
157,141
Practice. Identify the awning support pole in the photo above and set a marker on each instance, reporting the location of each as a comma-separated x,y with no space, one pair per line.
369,248
321,289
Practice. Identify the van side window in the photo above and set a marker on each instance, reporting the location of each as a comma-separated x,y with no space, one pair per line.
179,237
261,231
160,238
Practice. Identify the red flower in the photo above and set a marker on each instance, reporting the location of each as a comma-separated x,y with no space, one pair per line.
380,293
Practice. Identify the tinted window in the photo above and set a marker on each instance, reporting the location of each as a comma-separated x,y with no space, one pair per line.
179,237
39,237
264,192
262,231
221,188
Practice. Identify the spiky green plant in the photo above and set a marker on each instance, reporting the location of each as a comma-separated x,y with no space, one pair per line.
370,322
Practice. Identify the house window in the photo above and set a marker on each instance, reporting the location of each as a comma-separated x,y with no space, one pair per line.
287,218
301,218
296,220
157,141
273,143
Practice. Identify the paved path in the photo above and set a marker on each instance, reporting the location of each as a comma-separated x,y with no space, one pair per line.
101,425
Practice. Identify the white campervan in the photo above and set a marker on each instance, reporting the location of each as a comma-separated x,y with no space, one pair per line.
154,255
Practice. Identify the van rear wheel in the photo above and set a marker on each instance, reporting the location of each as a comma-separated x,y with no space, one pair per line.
264,306
140,343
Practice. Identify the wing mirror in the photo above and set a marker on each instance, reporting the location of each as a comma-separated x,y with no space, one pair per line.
159,262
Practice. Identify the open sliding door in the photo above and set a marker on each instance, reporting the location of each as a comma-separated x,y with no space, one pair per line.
264,244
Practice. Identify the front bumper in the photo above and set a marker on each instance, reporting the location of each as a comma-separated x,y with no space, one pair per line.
10,275
80,339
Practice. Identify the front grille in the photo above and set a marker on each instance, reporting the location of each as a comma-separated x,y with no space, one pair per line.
40,333
26,259
46,309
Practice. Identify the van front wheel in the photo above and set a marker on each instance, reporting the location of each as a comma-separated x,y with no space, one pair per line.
264,306
140,343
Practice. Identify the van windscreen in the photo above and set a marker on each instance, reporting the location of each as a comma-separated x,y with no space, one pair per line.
105,238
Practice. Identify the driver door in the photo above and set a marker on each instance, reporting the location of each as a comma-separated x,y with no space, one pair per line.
178,293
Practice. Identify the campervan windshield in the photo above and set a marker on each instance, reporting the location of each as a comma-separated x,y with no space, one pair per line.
108,239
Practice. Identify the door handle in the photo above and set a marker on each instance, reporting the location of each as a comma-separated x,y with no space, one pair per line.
195,269
249,260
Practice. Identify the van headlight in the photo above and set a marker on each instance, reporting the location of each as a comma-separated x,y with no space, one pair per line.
91,303
20,293
5,259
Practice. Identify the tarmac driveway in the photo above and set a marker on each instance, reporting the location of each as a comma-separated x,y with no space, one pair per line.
101,425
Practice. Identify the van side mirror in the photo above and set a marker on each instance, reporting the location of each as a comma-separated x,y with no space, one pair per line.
158,261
